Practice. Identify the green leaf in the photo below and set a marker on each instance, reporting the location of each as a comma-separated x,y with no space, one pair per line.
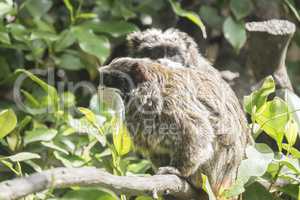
241,8
70,9
37,8
272,117
19,32
95,120
4,38
257,192
258,98
290,189
45,35
88,193
70,61
139,168
294,103
68,99
5,7
295,153
256,164
210,16
234,33
65,39
121,138
114,28
96,45
40,134
189,15
291,163
23,156
50,90
5,69
13,140
70,160
90,116
86,16
31,100
51,145
291,132
8,121
10,166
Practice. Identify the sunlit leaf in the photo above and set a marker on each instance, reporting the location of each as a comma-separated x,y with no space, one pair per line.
294,103
50,90
70,9
40,134
259,97
121,138
23,156
51,145
256,164
91,117
86,15
189,15
272,117
69,160
293,151
8,121
5,7
291,132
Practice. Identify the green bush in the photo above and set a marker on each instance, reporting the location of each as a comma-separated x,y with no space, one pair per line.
58,124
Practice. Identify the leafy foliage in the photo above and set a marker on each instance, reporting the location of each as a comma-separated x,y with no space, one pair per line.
48,45
262,166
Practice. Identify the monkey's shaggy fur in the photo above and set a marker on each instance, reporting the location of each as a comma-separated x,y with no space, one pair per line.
186,118
164,46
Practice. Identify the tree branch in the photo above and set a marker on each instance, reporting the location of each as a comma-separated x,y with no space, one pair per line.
89,176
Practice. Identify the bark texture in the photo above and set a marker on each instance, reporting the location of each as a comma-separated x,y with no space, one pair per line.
89,176
268,42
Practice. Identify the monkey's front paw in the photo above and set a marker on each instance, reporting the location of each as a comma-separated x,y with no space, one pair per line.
168,170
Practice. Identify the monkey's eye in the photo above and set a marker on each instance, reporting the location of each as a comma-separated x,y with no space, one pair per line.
175,55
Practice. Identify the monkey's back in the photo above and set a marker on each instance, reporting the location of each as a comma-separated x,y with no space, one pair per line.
190,99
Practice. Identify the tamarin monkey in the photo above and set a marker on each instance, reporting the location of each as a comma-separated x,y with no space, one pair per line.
186,119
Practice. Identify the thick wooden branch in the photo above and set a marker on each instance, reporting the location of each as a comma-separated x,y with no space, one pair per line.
89,176
268,42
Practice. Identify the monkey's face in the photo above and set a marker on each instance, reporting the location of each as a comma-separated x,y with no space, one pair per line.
138,80
155,44
126,74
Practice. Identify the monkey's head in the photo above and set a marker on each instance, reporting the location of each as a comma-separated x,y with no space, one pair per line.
172,44
138,79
